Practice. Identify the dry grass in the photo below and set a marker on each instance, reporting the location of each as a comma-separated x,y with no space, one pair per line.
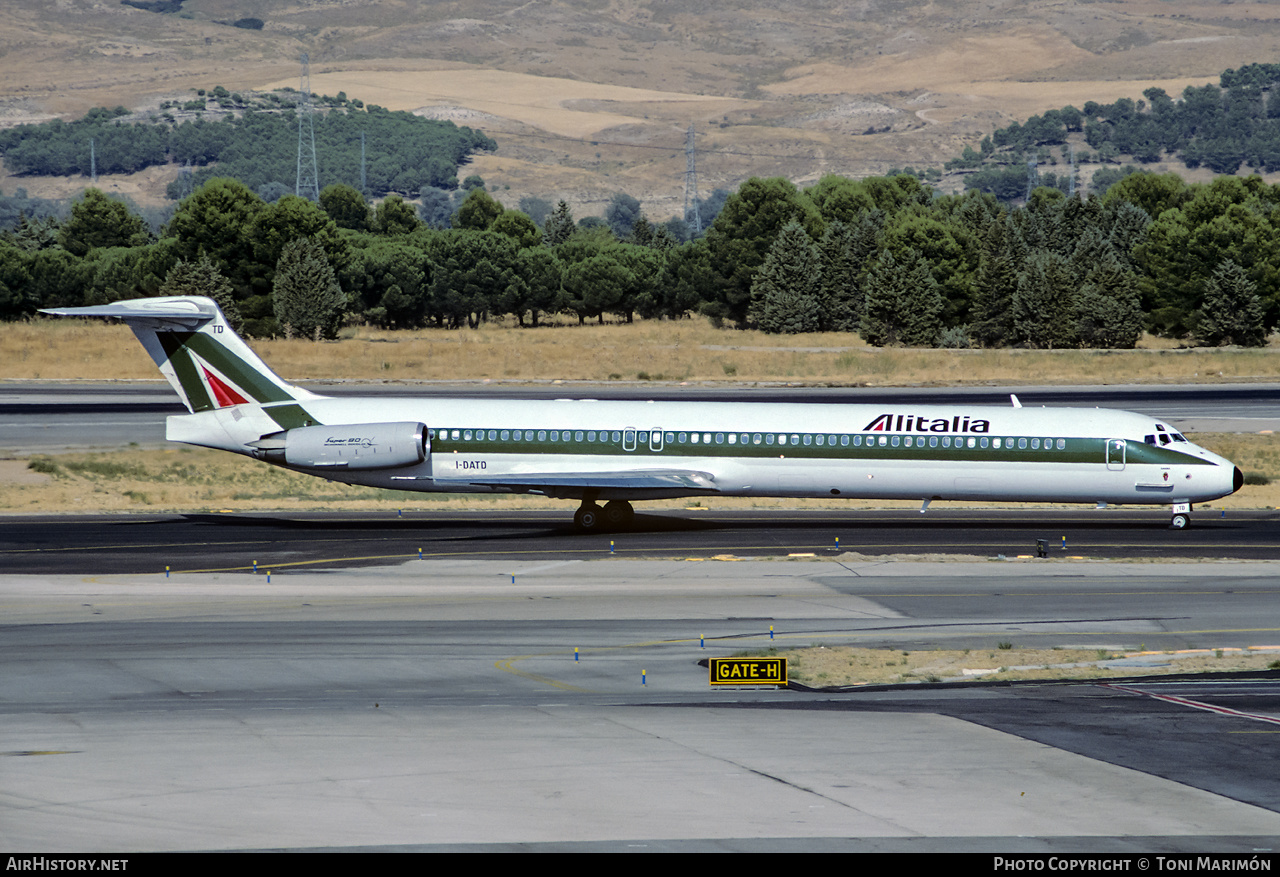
824,667
686,350
182,479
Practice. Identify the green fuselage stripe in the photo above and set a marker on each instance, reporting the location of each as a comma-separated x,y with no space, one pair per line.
1076,450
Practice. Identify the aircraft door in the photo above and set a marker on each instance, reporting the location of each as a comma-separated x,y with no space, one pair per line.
629,439
655,439
1115,455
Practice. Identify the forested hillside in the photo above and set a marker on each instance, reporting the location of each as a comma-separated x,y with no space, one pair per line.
254,140
1222,127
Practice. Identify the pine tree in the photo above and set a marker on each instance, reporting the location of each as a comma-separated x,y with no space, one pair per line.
784,294
903,304
1231,310
559,226
1108,309
993,290
840,295
1044,302
202,277
308,301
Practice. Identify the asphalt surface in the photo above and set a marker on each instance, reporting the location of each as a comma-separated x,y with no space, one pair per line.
137,543
443,705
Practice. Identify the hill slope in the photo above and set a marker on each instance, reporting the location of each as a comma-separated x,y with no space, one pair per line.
587,97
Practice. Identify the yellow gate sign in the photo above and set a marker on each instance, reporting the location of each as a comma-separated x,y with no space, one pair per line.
748,671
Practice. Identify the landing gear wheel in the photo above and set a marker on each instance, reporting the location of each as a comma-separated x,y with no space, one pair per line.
618,514
588,518
1180,522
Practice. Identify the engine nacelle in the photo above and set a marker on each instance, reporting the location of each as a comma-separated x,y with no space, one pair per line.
346,446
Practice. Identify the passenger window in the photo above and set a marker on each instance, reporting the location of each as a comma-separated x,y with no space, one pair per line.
983,442
895,441
577,436
972,442
808,439
909,441
768,439
883,441
669,437
857,441
844,441
1062,444
683,437
933,441
719,438
542,435
1022,444
506,434
694,438
755,439
733,438
591,435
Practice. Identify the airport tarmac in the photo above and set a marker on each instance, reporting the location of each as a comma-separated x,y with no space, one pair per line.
438,705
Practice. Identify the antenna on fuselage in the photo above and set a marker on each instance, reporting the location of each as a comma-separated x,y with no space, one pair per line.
1014,400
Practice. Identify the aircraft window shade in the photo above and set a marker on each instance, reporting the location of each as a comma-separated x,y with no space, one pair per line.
1062,444
973,443
884,440
795,439
693,438
782,438
466,435
909,442
995,443
733,438
755,439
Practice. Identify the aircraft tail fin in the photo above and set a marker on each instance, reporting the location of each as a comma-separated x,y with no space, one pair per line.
195,348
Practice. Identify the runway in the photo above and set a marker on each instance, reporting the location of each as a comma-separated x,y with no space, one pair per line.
437,705
139,543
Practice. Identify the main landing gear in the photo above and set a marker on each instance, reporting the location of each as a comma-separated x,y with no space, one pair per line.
615,515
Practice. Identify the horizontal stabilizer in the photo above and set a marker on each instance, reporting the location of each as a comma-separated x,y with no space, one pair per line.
169,313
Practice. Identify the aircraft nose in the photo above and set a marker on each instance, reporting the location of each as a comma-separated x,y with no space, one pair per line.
1237,480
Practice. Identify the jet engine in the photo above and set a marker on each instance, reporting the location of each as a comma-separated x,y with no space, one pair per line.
346,446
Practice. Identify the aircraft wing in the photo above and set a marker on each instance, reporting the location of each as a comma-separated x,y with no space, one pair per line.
628,484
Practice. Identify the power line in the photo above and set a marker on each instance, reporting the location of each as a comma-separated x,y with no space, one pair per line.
308,182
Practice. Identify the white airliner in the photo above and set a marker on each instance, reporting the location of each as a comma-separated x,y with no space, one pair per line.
618,451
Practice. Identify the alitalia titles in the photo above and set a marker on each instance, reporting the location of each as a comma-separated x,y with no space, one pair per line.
921,423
